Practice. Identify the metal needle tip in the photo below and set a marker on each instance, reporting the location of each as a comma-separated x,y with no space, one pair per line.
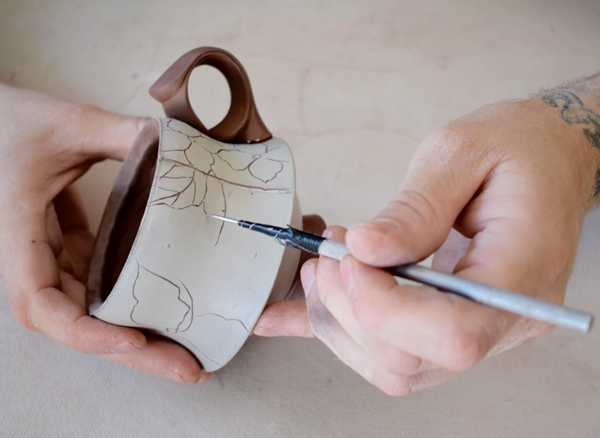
221,218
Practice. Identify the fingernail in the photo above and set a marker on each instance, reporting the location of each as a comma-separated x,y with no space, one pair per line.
346,273
307,276
328,234
267,331
124,347
174,376
357,225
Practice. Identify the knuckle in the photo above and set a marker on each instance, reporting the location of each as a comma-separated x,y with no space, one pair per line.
76,338
466,142
422,208
394,360
462,347
446,138
399,362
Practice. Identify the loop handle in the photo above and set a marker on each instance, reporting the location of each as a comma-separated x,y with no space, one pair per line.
242,124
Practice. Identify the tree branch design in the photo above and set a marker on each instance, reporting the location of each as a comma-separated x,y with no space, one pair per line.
193,172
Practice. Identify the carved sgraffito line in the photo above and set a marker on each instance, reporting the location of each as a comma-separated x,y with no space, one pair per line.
190,306
177,170
190,310
224,211
192,174
137,276
255,158
185,182
156,282
223,318
201,352
223,180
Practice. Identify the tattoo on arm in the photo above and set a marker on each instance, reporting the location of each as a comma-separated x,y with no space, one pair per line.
574,112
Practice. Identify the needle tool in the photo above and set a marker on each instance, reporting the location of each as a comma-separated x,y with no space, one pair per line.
479,292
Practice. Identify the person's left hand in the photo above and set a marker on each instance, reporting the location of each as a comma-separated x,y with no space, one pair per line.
45,241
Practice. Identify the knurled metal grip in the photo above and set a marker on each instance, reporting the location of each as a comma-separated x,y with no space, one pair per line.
333,250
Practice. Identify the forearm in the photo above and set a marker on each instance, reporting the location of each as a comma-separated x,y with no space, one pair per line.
579,106
589,87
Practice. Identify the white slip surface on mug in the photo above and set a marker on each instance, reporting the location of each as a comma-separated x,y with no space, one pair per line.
159,263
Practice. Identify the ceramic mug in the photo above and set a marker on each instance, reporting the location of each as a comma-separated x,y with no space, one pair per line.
159,263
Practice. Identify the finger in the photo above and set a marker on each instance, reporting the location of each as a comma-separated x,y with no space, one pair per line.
505,253
284,318
56,241
330,332
59,317
54,234
70,211
87,129
289,318
163,357
533,270
444,329
451,251
313,223
316,225
34,285
442,178
333,295
78,240
99,134
28,260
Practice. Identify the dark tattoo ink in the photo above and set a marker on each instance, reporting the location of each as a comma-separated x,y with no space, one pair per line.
574,112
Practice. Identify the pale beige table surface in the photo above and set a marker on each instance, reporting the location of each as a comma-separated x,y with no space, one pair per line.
352,87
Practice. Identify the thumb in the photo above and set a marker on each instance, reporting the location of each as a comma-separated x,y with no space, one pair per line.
443,176
103,134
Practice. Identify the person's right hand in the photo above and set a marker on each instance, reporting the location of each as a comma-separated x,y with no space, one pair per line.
506,188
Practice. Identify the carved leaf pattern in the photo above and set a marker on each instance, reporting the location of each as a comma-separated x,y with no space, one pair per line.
160,302
192,178
193,173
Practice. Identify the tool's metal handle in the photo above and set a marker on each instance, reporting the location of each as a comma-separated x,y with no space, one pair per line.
333,249
496,297
482,293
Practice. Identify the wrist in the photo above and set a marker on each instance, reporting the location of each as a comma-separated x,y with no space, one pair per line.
577,111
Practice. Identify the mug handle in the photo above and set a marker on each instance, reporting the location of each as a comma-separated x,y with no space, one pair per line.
242,124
